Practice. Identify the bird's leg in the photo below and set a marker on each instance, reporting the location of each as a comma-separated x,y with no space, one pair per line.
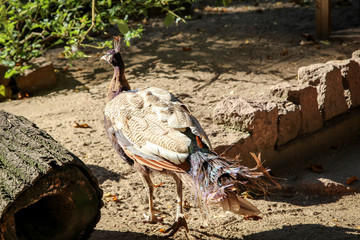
150,190
180,218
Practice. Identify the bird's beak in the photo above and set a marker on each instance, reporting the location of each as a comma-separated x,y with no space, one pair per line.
106,57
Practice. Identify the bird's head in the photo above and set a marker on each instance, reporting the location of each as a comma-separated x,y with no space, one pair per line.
113,56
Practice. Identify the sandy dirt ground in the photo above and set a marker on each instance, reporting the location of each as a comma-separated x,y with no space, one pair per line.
239,50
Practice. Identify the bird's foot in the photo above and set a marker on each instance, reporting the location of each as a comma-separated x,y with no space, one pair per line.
152,219
180,222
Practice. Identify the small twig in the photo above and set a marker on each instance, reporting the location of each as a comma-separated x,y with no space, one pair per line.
92,21
177,16
32,35
92,46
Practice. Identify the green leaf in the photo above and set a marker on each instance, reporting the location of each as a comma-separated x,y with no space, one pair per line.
226,2
11,72
122,25
169,19
2,91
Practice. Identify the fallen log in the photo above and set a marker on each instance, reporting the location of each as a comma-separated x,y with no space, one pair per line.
46,192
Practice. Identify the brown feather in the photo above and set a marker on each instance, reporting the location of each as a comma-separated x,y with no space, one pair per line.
159,165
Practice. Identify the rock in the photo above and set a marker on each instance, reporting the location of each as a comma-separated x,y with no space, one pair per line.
289,122
289,119
280,91
322,186
348,98
328,81
240,149
263,128
306,97
356,55
258,117
350,71
40,77
311,74
233,112
352,79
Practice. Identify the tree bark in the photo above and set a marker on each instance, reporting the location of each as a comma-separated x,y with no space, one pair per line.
46,192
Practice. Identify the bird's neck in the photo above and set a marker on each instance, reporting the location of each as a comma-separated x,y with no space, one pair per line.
118,83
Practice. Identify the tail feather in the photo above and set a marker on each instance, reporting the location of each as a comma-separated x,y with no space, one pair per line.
233,203
216,181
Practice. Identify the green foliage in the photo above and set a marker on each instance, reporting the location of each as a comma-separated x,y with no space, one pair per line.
28,28
2,91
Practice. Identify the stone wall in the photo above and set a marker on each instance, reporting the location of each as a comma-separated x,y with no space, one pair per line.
293,121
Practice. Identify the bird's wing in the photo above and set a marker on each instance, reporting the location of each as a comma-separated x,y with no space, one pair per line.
149,125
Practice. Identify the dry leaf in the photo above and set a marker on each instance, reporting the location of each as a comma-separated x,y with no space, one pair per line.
252,217
352,179
246,194
162,230
23,95
316,168
285,52
308,37
187,205
327,43
110,197
186,49
158,185
85,125
302,43
334,146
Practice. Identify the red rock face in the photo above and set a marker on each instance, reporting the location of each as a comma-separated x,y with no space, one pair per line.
330,91
272,120
40,77
289,123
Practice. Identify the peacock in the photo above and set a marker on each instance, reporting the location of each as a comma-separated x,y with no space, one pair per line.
153,131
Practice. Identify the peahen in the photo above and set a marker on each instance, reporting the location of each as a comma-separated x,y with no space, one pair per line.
155,132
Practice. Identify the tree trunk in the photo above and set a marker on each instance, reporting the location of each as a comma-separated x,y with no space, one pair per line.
46,192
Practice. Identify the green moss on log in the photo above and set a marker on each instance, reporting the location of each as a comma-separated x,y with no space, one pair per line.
36,172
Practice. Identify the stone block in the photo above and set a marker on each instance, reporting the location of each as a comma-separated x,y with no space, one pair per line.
241,149
40,77
322,186
289,122
312,74
306,97
280,91
263,127
258,117
328,80
350,71
233,112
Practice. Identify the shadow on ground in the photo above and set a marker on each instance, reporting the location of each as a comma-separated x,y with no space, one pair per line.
107,235
102,174
306,231
296,232
306,187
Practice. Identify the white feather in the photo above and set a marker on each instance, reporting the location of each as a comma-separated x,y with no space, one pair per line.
174,157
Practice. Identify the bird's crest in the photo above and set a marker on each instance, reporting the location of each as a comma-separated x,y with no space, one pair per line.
117,43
